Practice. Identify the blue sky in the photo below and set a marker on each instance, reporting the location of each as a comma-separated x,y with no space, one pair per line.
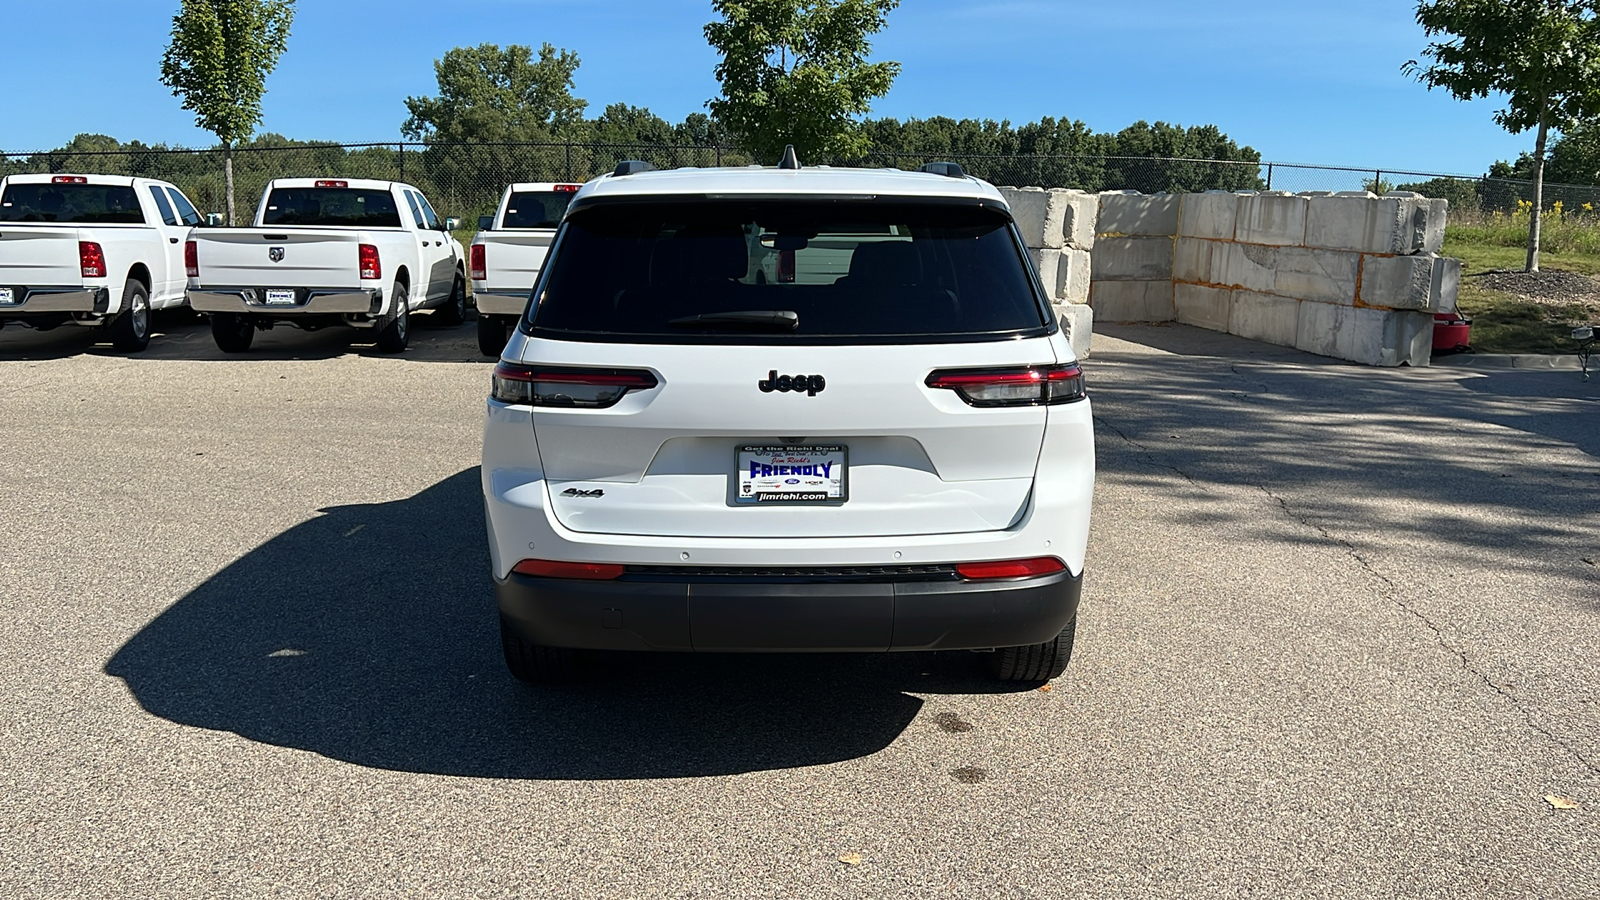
1300,81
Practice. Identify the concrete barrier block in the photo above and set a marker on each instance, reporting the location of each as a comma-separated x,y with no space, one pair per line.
1208,215
1079,212
1370,224
1322,276
1201,261
1131,259
1277,218
1132,301
1434,213
1386,337
1077,323
1048,264
1127,212
1264,317
1397,282
1030,207
1073,275
1321,327
1446,281
1201,306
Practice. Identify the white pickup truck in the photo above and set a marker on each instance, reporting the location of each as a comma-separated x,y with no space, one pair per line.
507,253
329,251
91,250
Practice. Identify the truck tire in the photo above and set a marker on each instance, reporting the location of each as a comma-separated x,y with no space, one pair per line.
395,330
232,332
454,310
130,330
492,335
532,664
1035,662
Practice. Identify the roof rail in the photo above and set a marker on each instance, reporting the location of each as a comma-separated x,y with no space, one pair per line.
632,167
947,169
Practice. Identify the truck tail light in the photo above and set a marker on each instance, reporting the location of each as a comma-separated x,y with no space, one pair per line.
69,179
548,568
333,184
1011,568
191,259
480,269
566,387
786,267
371,268
1025,386
567,188
92,259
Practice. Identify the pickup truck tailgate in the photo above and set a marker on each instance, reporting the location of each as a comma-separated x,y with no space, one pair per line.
39,256
514,258
261,257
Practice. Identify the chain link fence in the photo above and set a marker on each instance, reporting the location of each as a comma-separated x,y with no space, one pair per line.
466,180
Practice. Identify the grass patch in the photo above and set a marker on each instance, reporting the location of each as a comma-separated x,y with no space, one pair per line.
1507,323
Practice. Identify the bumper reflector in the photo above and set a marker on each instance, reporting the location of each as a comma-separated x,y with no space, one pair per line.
546,568
1010,568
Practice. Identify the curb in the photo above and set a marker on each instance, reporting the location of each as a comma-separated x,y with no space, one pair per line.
1547,362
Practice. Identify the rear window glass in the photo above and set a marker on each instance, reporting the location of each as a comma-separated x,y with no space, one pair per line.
74,203
335,207
186,210
786,272
536,209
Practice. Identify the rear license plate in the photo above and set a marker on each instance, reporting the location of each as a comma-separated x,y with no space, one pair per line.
792,474
8,296
280,296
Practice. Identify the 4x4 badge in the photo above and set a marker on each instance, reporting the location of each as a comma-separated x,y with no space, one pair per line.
811,384
575,492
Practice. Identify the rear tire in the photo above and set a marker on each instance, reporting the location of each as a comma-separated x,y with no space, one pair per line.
1035,662
130,330
532,664
493,332
395,332
454,310
232,332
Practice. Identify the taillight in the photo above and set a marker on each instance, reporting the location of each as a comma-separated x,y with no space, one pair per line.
1027,386
91,259
333,184
572,388
370,266
1011,568
191,259
567,188
69,179
786,267
547,568
480,269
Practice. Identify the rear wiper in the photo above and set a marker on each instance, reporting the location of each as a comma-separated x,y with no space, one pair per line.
783,319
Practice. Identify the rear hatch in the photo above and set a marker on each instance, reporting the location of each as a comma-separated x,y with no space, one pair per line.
772,345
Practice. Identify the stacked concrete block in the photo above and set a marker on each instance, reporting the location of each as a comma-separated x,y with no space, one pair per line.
1058,227
1131,266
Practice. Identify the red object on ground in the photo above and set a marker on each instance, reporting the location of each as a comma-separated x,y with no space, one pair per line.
1451,332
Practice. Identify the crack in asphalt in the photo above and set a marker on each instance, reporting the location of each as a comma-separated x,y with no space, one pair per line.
1148,453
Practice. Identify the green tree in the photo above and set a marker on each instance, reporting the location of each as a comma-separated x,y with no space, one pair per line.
796,72
491,94
1544,55
218,61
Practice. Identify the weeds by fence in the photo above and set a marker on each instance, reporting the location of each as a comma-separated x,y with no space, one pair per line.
467,179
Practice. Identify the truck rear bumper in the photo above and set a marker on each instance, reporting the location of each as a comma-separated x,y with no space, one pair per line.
73,299
308,301
501,302
745,615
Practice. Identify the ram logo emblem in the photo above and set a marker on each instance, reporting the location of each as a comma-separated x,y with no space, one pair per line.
275,254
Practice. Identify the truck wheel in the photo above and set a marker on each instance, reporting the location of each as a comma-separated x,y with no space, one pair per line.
130,331
232,332
533,664
1035,662
395,332
492,334
454,310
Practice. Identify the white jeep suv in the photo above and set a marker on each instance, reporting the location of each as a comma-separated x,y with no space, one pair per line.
787,409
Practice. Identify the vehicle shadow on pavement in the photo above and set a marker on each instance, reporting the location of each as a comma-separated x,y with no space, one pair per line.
369,635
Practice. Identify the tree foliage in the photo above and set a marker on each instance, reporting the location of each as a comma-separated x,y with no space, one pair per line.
489,93
796,72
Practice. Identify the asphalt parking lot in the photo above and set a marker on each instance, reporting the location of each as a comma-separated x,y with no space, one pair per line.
1340,637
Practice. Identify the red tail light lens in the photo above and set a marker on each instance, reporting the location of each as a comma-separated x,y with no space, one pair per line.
571,388
1028,386
69,179
786,267
480,269
371,268
1011,568
545,568
191,259
567,188
91,259
333,184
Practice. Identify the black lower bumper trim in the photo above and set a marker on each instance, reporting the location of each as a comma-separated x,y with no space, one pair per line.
723,616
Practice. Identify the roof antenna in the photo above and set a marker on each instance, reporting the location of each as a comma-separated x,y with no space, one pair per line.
790,161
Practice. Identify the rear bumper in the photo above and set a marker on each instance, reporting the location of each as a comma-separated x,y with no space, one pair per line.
67,299
787,616
501,302
308,301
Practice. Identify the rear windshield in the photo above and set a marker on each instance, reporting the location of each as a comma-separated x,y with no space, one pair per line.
84,204
331,207
780,271
536,209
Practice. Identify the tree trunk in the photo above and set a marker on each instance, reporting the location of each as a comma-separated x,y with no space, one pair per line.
1538,192
228,176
